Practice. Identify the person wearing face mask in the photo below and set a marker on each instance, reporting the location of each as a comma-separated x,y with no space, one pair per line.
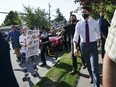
103,25
88,30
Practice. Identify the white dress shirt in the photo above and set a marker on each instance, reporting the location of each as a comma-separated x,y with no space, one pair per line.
94,33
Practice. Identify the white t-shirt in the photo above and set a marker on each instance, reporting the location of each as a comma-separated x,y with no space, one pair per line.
22,40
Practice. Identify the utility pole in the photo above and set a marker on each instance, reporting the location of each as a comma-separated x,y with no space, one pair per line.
49,6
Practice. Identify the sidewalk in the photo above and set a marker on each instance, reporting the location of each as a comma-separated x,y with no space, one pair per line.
83,81
31,81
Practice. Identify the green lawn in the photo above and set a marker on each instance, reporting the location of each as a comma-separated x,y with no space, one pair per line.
59,76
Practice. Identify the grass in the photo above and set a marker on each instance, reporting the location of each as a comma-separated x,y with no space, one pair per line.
59,76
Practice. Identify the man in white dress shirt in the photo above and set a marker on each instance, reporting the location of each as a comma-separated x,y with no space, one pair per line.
89,33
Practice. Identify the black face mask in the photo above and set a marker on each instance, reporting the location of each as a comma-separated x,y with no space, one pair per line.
85,16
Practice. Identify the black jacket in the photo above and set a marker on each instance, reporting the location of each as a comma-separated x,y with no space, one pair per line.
7,78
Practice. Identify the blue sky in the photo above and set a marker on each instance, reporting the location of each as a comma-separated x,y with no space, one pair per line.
65,6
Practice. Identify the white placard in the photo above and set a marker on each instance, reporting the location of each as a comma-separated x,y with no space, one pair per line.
32,42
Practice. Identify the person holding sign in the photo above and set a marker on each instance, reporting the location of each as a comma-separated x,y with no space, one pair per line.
23,51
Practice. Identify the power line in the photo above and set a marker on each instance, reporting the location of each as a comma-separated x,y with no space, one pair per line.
4,12
19,13
49,6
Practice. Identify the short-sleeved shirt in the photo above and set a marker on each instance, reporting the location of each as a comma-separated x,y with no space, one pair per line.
22,40
110,45
14,36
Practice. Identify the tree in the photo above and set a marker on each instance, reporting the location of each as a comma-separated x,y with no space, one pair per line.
12,19
108,6
35,17
59,16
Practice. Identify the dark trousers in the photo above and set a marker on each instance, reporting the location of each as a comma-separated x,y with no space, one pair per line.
43,51
7,77
24,62
74,58
90,54
65,42
102,47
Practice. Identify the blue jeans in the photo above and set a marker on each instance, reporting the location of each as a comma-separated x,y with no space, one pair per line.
90,54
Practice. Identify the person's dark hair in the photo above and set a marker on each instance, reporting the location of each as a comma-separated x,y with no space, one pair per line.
13,26
87,8
42,27
73,15
64,20
32,27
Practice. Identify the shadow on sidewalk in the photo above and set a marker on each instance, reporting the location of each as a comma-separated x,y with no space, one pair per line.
84,75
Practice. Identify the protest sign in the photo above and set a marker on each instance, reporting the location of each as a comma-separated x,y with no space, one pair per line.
32,41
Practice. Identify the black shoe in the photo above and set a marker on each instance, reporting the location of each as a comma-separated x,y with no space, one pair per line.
84,66
43,64
18,59
56,56
90,80
73,72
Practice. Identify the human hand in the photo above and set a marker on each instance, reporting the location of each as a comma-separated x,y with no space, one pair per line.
25,45
71,12
103,36
75,52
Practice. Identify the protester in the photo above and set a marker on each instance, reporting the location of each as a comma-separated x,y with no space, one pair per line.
7,78
23,43
88,30
103,25
14,37
109,65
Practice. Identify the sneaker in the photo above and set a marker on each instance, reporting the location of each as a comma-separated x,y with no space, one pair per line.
43,64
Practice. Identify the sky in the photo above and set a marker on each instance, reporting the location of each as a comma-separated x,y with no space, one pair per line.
65,6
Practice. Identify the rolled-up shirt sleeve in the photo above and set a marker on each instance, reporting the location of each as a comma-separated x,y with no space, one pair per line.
76,34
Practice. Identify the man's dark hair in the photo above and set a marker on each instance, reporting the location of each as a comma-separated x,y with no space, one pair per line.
87,8
32,27
42,27
73,15
13,26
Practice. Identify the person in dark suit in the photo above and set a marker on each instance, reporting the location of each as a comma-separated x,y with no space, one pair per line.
7,78
103,25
